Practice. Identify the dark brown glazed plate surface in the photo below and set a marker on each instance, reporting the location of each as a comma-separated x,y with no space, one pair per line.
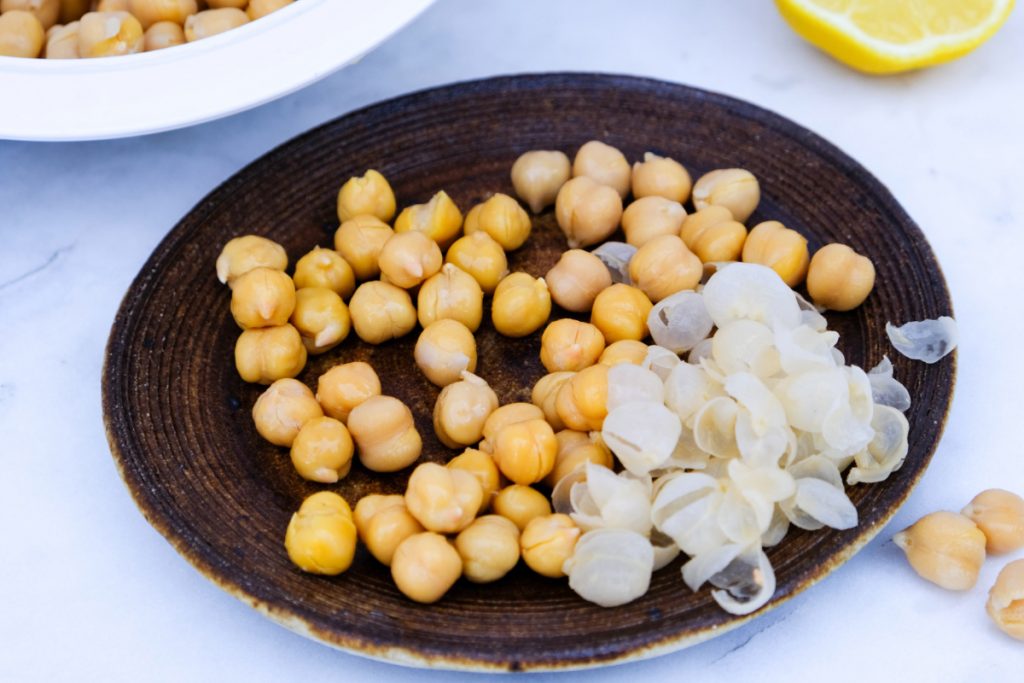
178,419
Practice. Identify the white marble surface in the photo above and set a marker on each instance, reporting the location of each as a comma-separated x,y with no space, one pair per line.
90,591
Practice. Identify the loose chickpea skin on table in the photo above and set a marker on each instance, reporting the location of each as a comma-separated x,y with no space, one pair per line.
343,387
385,434
359,241
281,411
383,522
321,536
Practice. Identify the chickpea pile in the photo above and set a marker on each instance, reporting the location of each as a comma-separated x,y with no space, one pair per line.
431,266
73,29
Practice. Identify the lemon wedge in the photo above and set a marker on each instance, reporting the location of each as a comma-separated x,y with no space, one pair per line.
890,36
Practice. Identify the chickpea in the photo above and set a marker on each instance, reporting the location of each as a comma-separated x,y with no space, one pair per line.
322,450
734,188
439,219
344,387
624,351
620,312
461,410
46,11
519,504
504,416
587,212
525,451
258,9
163,34
521,305
263,297
444,350
21,34
149,12
383,522
575,450
480,465
713,235
425,566
242,254
240,4
664,266
783,250
270,353
451,294
839,278
210,22
1000,516
571,345
72,10
503,219
282,410
381,311
577,279
582,402
651,217
385,433
113,6
545,395
538,175
325,268
107,34
321,536
659,176
359,241
1006,600
480,256
944,548
409,258
443,499
489,548
603,164
547,542
471,225
321,317
62,42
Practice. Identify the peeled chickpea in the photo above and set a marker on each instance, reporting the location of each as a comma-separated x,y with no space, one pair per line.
582,402
480,465
461,410
321,317
839,278
46,11
21,34
575,450
163,34
149,12
651,217
734,188
521,305
587,212
443,499
213,21
713,235
503,219
270,353
620,312
664,266
359,241
547,542
321,536
383,522
659,176
520,504
1006,600
322,450
385,433
439,219
444,350
242,254
480,256
504,416
62,42
545,395
624,351
944,548
258,9
783,250
409,258
451,294
325,268
1000,516
381,311
571,345
425,566
537,177
107,34
577,279
263,297
282,410
345,386
603,164
525,451
489,548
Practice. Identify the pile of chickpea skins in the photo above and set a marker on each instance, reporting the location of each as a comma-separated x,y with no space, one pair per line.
72,29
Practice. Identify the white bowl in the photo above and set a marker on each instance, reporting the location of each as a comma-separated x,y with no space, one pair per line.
87,99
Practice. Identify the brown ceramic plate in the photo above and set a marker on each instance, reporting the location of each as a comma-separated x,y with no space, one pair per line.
178,417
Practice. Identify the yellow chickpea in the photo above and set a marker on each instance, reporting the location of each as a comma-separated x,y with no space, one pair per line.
504,416
489,548
263,297
582,402
734,188
257,9
359,241
425,566
242,254
106,34
269,353
383,522
238,4
521,305
282,410
503,219
480,465
575,450
322,450
482,257
1000,516
520,504
659,176
321,536
409,258
571,345
713,235
545,396
149,12
624,351
587,212
443,499
664,266
21,34
603,164
462,409
62,42
381,311
451,294
547,542
538,175
163,34
384,431
945,548
620,312
439,219
444,350
577,279
525,451
321,317
46,11
839,278
366,195
325,268
345,386
1006,600
783,250
212,22
114,6
650,217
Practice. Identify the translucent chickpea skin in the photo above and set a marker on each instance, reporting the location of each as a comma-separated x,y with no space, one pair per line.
482,257
839,278
480,465
321,536
213,21
547,542
658,176
525,451
325,268
545,394
577,279
521,504
263,297
359,241
570,345
439,219
343,387
603,164
383,522
409,258
944,548
242,254
381,311
538,175
444,350
21,34
322,450
650,217
385,433
425,566
366,195
462,409
1006,600
734,188
587,212
582,402
620,312
282,410
443,499
783,250
451,294
521,304
713,235
664,266
489,548
1000,516
321,317
269,353
503,219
